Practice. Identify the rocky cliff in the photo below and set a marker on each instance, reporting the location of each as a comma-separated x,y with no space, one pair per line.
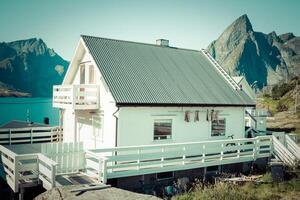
30,66
265,59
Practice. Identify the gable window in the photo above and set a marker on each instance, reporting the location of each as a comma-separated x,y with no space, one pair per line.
218,127
162,129
82,74
91,75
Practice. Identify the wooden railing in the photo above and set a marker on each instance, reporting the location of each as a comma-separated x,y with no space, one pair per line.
292,146
28,169
30,135
137,160
76,96
47,171
8,165
283,153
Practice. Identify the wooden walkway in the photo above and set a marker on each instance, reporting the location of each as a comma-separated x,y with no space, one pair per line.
60,164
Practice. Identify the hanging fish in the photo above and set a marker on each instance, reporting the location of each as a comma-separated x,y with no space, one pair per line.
187,116
196,116
207,115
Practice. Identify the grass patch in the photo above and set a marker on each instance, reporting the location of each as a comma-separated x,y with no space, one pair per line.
248,191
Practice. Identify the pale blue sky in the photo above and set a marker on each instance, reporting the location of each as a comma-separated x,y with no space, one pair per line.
186,23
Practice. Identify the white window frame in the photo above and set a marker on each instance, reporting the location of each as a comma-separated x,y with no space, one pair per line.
211,127
162,120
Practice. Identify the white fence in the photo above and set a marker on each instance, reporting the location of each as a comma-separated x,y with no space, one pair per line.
54,159
76,96
138,160
30,135
106,163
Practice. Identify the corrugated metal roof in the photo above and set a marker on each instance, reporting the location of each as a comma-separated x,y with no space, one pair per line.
138,73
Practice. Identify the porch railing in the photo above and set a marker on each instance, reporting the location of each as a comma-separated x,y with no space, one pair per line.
30,135
138,160
76,96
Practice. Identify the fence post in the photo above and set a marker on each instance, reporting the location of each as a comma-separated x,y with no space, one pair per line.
16,173
31,131
104,170
53,173
184,155
9,136
139,157
162,157
239,150
203,153
257,148
254,149
222,151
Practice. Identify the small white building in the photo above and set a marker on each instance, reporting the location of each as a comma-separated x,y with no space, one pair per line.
121,93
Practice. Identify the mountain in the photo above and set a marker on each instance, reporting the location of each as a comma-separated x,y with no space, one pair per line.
264,59
10,91
29,66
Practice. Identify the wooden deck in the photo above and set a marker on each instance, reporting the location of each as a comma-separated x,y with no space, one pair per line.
56,164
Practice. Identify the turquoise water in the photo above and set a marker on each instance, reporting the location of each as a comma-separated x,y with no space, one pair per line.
16,108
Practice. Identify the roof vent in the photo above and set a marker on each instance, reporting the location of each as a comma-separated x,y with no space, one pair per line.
162,42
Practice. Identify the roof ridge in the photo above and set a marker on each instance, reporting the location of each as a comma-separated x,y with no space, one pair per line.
144,43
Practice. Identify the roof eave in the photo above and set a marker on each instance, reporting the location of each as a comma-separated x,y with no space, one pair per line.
181,105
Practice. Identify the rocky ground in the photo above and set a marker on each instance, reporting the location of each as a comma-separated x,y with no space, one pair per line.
64,193
280,103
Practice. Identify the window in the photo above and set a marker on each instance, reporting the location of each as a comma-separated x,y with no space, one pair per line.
82,74
91,74
162,129
218,127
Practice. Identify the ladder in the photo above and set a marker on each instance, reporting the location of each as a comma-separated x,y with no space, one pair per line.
228,78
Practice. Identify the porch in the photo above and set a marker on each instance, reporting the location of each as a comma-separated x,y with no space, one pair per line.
79,97
32,164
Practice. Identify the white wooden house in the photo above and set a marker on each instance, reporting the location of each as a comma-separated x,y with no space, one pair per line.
120,93
133,111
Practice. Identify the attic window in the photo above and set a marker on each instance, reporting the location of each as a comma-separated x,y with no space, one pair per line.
218,127
91,74
162,129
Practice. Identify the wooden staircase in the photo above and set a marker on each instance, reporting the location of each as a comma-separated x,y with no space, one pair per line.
287,152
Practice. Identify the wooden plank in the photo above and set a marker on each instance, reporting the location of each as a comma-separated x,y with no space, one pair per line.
45,171
7,162
8,172
46,184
